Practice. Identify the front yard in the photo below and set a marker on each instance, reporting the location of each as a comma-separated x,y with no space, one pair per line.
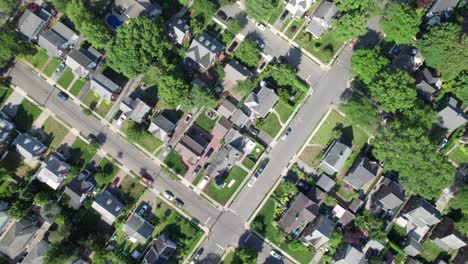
284,110
270,125
52,66
38,60
294,27
91,99
205,122
109,168
104,108
324,48
459,155
174,161
430,251
138,134
25,116
55,131
82,150
77,86
233,181
5,92
66,78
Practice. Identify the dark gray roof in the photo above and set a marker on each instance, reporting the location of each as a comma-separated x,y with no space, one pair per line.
163,123
390,195
412,247
139,109
363,174
324,13
203,51
262,101
64,31
178,29
452,117
29,143
30,24
110,203
104,86
442,5
17,237
160,251
80,57
426,90
56,166
335,157
301,212
37,254
352,256
81,184
224,161
355,205
325,182
138,228
51,41
239,118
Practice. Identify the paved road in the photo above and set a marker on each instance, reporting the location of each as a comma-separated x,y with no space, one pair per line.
133,158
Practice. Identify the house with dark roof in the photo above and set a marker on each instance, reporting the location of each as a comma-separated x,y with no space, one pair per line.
388,197
162,128
105,88
235,72
179,31
108,206
29,147
16,239
261,103
82,61
160,251
193,144
446,236
318,232
124,10
135,109
301,212
325,183
335,157
53,171
427,84
411,246
57,39
30,24
37,254
451,116
202,53
352,256
298,8
6,133
316,194
223,162
406,58
137,229
362,176
79,189
320,21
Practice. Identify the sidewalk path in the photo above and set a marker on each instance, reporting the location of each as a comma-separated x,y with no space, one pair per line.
12,103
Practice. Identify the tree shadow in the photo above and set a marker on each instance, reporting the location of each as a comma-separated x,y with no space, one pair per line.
294,57
23,119
370,39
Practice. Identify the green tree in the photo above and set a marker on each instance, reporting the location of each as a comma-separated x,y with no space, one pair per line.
296,245
198,24
226,2
366,63
50,211
235,26
60,234
60,5
459,86
394,90
330,201
204,7
371,224
248,53
19,209
243,88
202,97
42,198
351,25
462,225
173,91
400,23
60,253
261,9
138,45
350,5
283,74
445,48
10,45
246,256
361,112
7,6
460,200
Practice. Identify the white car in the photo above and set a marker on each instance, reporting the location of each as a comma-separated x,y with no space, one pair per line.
143,209
252,181
168,195
121,119
275,254
260,26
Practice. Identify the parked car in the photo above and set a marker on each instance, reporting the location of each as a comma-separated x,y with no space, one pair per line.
252,181
284,15
209,153
443,143
63,96
166,151
259,43
143,209
60,68
168,195
286,134
187,119
179,202
222,15
121,119
114,183
198,255
260,26
196,170
275,254
262,66
233,46
147,179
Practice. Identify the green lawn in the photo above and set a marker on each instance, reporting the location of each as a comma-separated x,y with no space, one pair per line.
310,155
138,134
223,195
347,195
132,189
265,225
91,99
104,108
430,251
66,78
82,150
248,163
459,155
199,177
285,24
277,13
56,132
294,27
229,259
271,125
5,92
324,48
109,167
52,66
77,86
174,161
39,59
284,110
204,122
27,113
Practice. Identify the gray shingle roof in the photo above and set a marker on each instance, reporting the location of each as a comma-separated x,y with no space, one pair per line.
203,51
160,251
108,205
335,157
138,228
80,185
30,144
178,29
262,102
51,41
53,171
234,72
104,86
17,237
30,24
325,182
37,254
301,212
139,109
320,20
64,31
412,247
223,162
362,175
163,123
452,117
80,57
421,212
390,195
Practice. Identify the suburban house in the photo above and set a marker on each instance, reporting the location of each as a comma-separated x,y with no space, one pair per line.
135,109
335,157
325,183
442,8
222,163
137,229
427,84
179,31
79,189
341,215
124,10
234,72
6,132
57,39
411,246
243,143
160,251
82,61
446,236
162,128
388,197
202,53
406,58
226,108
16,239
417,216
4,217
105,88
300,213
193,144
29,147
362,176
451,116
37,254
239,118
298,8
316,195
352,256
53,171
31,24
108,206
318,232
320,21
261,103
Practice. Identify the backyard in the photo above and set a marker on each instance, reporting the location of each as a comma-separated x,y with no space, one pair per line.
25,116
52,66
82,150
77,86
174,161
270,125
233,181
205,122
323,48
131,189
138,134
55,131
66,78
430,251
310,155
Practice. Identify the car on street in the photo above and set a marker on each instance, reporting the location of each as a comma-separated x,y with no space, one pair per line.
275,254
146,179
179,202
63,96
196,170
286,134
187,119
252,181
60,68
260,26
143,209
259,43
168,195
222,15
198,255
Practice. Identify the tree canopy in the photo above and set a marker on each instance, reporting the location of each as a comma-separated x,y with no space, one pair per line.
459,86
351,25
394,90
138,45
460,199
7,6
445,48
202,97
367,63
10,45
172,91
261,9
348,5
245,256
204,7
400,22
283,74
361,112
247,53
371,224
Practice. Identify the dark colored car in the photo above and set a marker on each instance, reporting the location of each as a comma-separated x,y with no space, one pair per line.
222,15
209,153
196,170
260,43
146,179
63,96
233,46
284,15
179,202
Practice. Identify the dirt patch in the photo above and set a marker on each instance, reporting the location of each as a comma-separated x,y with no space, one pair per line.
309,156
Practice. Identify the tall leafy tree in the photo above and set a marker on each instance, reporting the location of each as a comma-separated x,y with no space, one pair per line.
10,45
248,53
261,9
138,45
283,74
367,63
351,25
462,225
400,22
202,97
173,91
362,113
459,85
445,48
7,6
205,7
348,5
460,200
246,256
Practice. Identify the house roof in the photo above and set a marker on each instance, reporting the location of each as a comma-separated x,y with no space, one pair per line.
321,18
301,212
136,8
138,228
226,108
325,183
318,232
390,195
163,123
30,144
178,29
352,256
224,161
80,185
239,118
236,139
344,216
421,212
363,174
262,101
6,127
442,5
192,145
30,24
451,117
108,204
316,194
426,90
52,171
79,57
446,236
203,51
17,237
51,41
337,154
160,251
138,109
412,247
64,31
37,254
299,7
235,72
101,82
